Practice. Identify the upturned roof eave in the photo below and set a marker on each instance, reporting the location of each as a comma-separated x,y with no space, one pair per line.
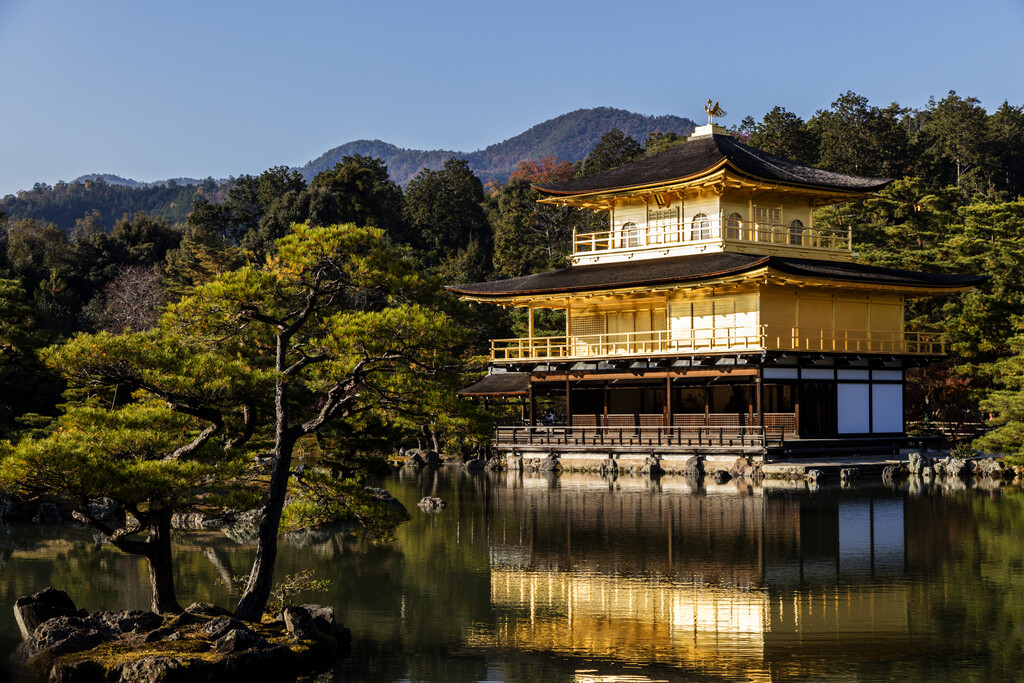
765,269
630,189
683,182
907,289
704,279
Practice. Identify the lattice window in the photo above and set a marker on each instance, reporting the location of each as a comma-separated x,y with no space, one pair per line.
769,216
583,325
663,225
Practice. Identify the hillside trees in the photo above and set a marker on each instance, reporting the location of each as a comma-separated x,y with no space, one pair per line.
954,142
860,139
783,134
65,203
258,210
24,385
357,190
1006,402
1006,135
530,237
446,221
615,148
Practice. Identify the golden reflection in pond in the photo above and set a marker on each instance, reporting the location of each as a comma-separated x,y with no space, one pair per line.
709,628
629,619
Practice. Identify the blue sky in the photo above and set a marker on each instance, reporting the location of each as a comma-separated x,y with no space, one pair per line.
151,90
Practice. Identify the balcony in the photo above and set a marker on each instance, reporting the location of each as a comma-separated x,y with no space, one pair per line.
748,338
699,235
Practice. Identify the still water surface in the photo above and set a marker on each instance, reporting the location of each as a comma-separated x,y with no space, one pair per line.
527,577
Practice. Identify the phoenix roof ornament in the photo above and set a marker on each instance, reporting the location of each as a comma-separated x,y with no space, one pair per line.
713,111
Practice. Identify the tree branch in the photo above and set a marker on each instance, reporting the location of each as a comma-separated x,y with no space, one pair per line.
118,537
197,443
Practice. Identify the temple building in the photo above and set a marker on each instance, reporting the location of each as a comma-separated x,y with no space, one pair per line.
712,314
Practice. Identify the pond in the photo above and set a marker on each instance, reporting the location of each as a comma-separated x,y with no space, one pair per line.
530,577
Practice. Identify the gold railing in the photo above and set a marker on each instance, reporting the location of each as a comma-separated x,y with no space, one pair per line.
710,230
719,339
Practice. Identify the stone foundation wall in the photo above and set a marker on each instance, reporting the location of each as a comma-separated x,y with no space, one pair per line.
670,463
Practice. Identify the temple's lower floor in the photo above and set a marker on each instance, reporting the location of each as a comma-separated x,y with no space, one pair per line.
736,403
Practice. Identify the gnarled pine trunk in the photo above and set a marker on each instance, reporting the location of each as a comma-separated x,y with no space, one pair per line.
257,590
161,568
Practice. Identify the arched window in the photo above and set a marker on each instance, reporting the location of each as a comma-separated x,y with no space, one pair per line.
630,234
700,227
732,226
796,232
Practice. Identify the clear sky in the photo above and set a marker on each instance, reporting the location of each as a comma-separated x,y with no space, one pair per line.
152,90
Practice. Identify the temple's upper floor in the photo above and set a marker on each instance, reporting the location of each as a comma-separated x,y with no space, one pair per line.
711,194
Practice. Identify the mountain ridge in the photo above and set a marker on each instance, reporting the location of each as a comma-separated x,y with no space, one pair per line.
569,137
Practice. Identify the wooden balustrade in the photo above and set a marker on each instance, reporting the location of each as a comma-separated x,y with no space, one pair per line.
719,339
642,237
641,436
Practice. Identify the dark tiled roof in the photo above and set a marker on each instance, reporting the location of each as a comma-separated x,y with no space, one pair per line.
650,272
860,272
614,275
704,153
500,384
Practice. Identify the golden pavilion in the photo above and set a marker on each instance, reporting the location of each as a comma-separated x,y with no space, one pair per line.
712,314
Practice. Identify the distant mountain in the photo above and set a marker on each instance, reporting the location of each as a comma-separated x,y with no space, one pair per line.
568,137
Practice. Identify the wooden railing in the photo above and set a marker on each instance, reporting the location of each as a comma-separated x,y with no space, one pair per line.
719,339
710,230
663,437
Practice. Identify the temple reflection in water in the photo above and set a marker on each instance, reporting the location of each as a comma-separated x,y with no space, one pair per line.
723,580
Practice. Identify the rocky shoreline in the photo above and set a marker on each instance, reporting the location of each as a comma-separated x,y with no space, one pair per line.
938,466
204,643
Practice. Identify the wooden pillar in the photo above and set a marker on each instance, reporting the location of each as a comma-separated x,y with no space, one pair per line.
605,423
568,401
796,408
529,328
707,405
668,401
759,390
533,407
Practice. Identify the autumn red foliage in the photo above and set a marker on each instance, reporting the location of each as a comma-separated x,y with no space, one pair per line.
548,170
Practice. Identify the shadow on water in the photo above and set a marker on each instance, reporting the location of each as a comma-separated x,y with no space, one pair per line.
575,577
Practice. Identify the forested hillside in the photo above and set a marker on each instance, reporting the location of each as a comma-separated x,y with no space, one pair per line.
65,203
955,205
